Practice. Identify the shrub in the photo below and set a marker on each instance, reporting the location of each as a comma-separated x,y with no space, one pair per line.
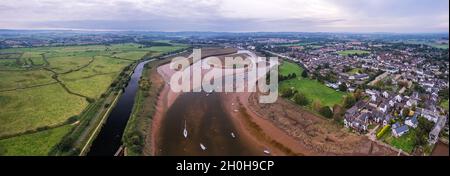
65,144
301,99
134,141
42,128
90,100
343,87
72,119
304,74
326,112
349,101
287,92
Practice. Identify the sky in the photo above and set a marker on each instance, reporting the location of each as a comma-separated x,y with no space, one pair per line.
400,16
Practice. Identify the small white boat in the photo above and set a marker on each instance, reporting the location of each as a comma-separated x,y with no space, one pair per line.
202,147
185,133
267,152
232,135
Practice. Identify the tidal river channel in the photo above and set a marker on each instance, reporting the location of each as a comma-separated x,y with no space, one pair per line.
206,123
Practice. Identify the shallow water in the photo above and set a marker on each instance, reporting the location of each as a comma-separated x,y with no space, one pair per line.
206,122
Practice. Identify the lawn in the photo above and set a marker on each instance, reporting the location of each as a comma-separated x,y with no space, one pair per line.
355,71
36,144
444,104
313,89
405,142
349,52
288,68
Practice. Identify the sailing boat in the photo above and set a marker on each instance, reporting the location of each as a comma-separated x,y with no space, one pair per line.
202,147
185,133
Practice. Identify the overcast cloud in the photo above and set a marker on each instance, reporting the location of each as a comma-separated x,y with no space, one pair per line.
229,15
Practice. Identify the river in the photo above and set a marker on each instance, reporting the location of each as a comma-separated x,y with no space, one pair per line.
109,139
206,122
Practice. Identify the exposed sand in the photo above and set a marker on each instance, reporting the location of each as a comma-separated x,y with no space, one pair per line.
282,127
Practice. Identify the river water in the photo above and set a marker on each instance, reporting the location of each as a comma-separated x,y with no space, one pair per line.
109,139
206,123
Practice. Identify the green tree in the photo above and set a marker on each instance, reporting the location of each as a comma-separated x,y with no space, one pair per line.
343,87
349,101
304,74
287,92
326,112
301,99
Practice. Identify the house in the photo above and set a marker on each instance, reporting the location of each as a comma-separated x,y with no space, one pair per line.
387,119
396,125
371,92
429,115
398,98
383,107
391,103
361,76
400,130
377,116
373,98
411,102
412,121
385,94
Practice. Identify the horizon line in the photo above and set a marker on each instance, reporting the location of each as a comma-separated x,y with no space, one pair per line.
207,31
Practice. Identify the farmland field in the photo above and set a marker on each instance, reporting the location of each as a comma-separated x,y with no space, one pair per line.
313,89
29,109
41,88
35,144
350,52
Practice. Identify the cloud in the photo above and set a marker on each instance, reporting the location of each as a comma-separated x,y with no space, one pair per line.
229,15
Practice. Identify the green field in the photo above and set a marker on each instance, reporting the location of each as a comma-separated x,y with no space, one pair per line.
42,87
295,44
313,89
288,68
350,52
355,71
444,104
36,144
29,109
429,43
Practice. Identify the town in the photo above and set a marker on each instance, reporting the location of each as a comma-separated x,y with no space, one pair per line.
395,89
